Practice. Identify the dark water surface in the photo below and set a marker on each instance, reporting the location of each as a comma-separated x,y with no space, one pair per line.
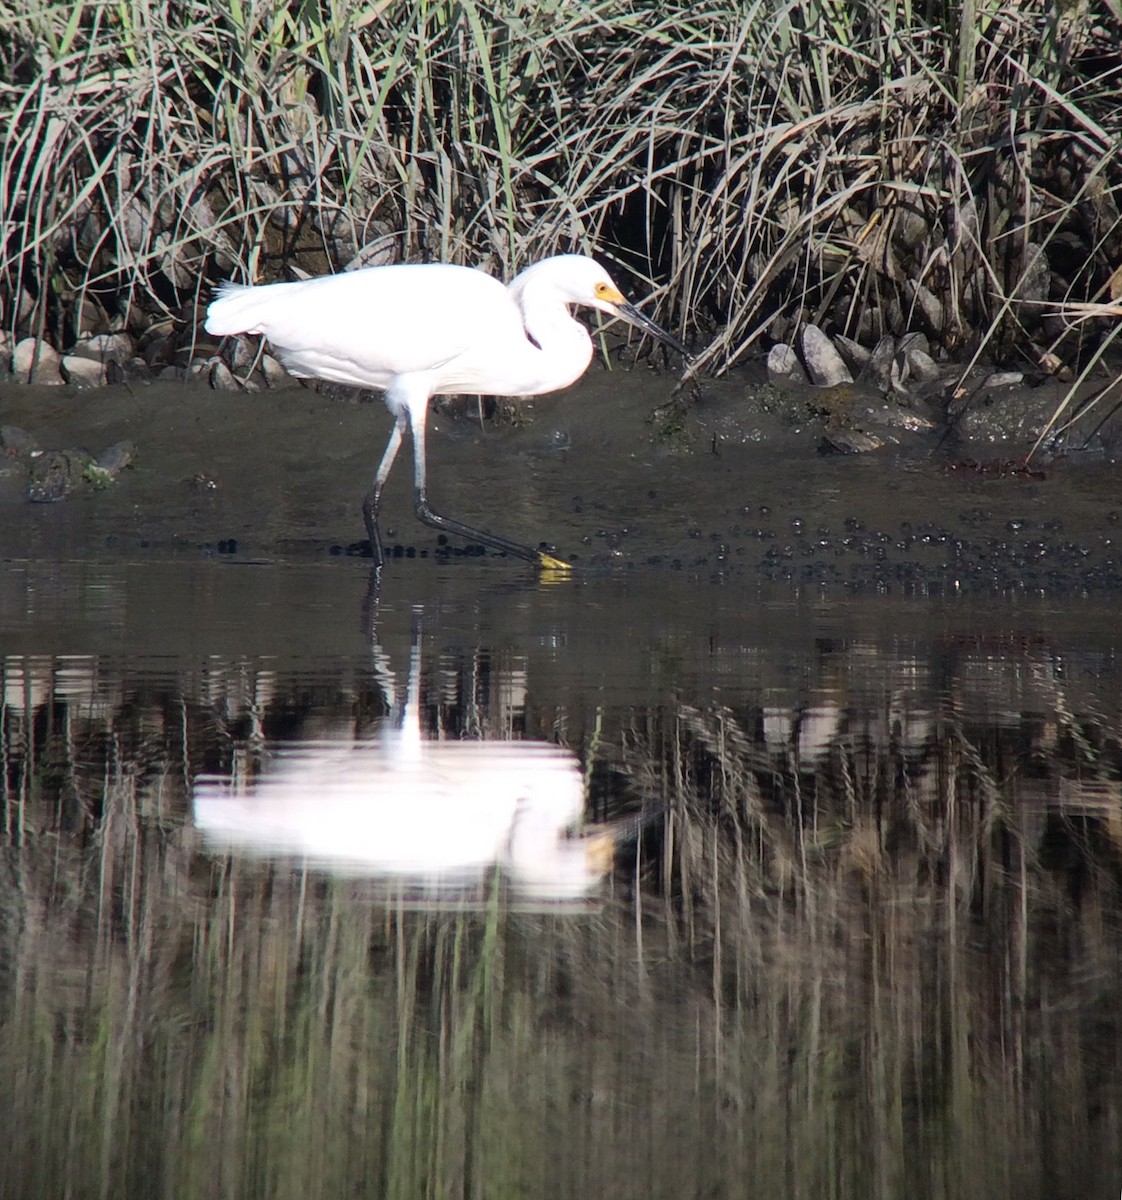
842,917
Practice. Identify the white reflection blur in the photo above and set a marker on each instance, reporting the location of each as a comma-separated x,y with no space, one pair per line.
426,814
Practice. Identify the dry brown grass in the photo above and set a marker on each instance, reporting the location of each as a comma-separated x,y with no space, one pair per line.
868,169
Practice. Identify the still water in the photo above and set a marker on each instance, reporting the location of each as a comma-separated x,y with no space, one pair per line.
627,885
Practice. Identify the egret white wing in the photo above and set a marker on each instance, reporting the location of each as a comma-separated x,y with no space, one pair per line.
365,327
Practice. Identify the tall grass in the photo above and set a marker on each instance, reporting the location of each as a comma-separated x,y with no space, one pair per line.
764,163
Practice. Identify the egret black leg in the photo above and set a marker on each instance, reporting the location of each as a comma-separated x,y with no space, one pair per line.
448,525
374,497
472,534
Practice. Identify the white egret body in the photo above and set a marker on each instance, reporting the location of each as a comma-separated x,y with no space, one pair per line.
417,331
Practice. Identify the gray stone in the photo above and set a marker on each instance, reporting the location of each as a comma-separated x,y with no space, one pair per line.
157,349
921,365
105,346
275,375
824,364
135,368
849,441
780,328
23,308
34,361
909,227
90,317
135,224
222,378
913,341
964,216
244,354
1003,379
783,365
1036,280
855,355
173,259
83,372
928,305
1009,414
924,367
881,361
282,214
378,253
868,328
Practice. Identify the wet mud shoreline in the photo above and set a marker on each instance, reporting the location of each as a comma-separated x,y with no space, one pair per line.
280,475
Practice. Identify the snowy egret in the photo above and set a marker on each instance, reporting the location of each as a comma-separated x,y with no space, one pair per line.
415,331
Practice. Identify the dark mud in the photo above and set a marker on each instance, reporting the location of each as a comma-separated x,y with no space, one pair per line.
720,491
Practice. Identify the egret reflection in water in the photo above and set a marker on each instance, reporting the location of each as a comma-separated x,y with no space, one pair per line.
430,814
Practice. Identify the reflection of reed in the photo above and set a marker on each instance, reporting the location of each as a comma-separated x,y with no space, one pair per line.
873,949
892,908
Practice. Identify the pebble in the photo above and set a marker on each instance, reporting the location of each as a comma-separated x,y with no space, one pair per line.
913,341
1036,277
156,345
916,357
244,356
378,253
113,460
928,304
925,368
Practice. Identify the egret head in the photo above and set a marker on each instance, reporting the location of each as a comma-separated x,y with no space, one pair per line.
609,299
582,280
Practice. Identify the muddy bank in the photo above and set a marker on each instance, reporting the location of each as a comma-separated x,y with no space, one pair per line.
727,487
